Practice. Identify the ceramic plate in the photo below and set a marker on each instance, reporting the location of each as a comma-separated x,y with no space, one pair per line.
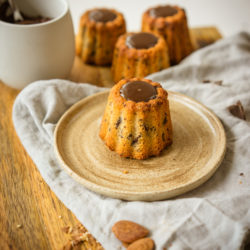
198,148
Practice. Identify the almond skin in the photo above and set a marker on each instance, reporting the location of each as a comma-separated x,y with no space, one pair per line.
128,231
142,244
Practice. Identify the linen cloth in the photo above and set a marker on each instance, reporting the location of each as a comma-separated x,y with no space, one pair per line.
215,215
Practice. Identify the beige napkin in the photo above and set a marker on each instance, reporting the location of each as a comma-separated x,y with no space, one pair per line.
214,216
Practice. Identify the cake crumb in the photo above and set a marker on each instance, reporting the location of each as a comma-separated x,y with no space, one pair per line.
240,182
77,236
67,229
241,174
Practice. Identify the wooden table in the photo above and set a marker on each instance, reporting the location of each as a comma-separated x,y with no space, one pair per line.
31,216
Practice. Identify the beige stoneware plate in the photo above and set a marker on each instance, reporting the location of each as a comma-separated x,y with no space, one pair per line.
198,148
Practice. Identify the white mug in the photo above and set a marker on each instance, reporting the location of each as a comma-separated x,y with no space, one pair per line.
37,51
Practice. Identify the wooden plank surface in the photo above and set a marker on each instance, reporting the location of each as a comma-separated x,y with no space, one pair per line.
31,216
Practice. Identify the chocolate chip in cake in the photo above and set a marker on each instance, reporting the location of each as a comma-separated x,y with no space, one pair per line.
153,129
165,119
135,140
146,127
118,122
163,136
129,137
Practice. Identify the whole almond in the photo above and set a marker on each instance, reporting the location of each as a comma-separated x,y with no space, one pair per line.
128,231
142,244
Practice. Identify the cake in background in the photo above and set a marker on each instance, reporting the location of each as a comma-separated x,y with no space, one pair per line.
98,32
169,22
138,55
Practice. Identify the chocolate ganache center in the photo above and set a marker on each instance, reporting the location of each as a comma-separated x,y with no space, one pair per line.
163,11
102,15
138,91
141,40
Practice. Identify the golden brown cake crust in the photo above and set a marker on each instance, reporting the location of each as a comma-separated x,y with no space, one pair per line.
130,62
174,29
137,129
95,41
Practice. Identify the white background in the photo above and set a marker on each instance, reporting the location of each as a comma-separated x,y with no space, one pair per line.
229,16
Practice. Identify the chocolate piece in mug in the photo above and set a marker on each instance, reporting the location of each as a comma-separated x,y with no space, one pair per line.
237,110
7,15
33,20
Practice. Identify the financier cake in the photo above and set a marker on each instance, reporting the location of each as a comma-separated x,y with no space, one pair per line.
97,35
138,55
136,122
169,22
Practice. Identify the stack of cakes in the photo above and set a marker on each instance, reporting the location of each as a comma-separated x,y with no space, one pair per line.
164,40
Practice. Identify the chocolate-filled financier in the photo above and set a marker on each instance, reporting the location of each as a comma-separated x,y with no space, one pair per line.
136,122
138,55
169,22
98,32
